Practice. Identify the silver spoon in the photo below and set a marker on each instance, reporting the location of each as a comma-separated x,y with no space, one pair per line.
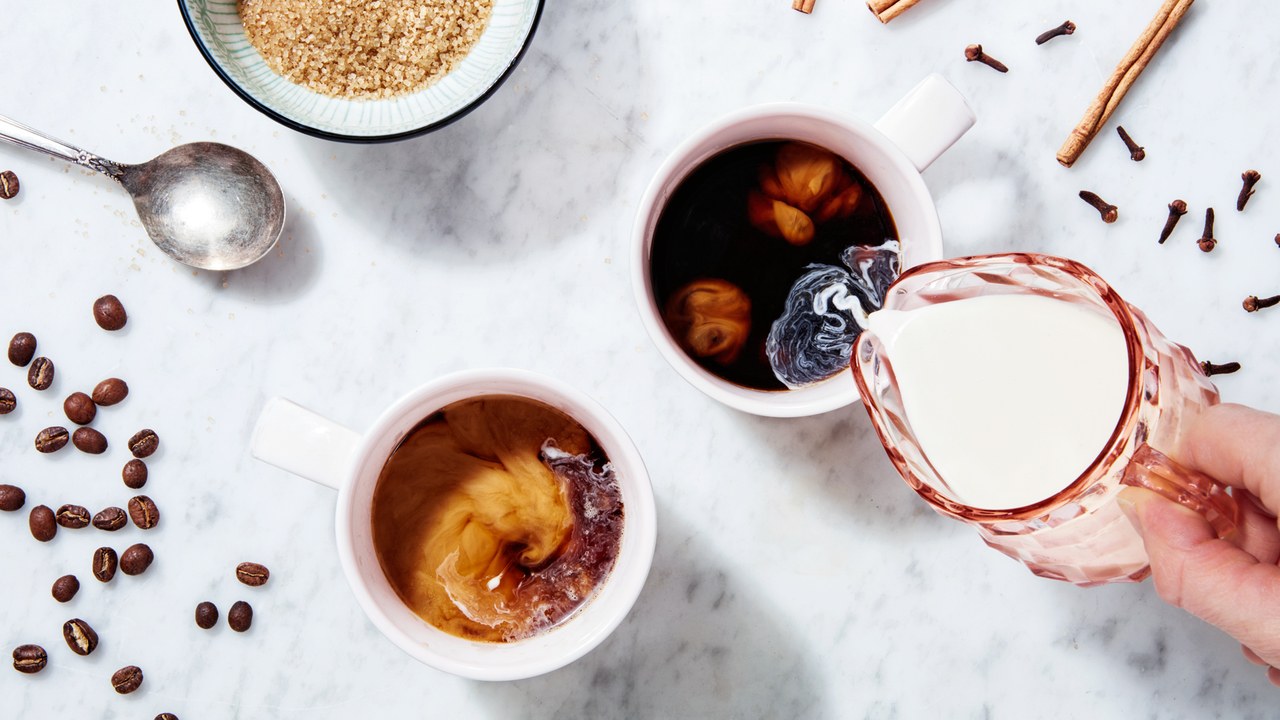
204,204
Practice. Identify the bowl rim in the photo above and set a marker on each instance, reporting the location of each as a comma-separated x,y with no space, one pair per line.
357,139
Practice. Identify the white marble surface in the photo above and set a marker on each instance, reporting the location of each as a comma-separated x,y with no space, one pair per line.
796,575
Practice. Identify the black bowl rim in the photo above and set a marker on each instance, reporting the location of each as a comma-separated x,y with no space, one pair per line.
359,139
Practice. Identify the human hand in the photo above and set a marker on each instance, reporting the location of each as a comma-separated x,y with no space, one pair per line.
1233,585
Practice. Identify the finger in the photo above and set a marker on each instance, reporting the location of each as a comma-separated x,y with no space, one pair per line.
1252,656
1257,533
1208,577
1274,676
1237,446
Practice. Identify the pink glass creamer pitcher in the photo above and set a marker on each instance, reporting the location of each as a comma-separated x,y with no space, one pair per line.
1078,534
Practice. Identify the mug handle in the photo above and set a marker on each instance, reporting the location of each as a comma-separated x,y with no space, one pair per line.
927,121
301,442
1155,471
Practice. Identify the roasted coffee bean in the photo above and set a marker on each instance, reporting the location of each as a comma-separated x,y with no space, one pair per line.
127,679
109,313
136,559
110,391
144,443
12,498
79,408
8,185
52,439
143,512
104,564
72,516
8,401
29,659
22,348
252,574
166,716
65,588
110,519
79,636
43,525
240,617
134,474
40,374
88,440
206,615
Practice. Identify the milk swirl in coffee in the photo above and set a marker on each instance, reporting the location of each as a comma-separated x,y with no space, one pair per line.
497,518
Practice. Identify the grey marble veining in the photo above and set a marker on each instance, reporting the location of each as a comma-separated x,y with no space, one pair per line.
796,575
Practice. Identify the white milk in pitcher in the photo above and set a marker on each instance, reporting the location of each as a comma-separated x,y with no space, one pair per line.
1011,397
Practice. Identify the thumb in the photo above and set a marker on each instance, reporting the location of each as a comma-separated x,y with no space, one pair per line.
1208,577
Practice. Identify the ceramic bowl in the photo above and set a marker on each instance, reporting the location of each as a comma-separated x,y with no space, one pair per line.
217,31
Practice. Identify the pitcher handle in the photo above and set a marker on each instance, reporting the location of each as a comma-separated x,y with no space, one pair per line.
1155,471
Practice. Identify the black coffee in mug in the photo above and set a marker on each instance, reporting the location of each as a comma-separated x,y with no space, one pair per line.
766,260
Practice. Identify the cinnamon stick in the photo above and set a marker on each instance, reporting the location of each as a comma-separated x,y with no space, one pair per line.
1137,59
804,6
886,10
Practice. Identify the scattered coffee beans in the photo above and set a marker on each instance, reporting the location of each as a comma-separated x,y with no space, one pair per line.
206,615
144,443
252,574
136,559
143,512
65,588
109,313
12,498
72,516
22,348
134,474
79,636
110,519
104,564
240,617
79,408
43,525
8,401
88,440
40,374
127,679
52,439
29,659
8,185
110,391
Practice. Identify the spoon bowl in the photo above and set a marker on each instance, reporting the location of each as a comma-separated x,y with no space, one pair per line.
207,205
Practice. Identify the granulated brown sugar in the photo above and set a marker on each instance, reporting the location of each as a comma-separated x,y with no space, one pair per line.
364,48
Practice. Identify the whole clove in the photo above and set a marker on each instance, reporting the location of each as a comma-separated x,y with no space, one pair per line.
1108,211
973,53
1250,178
1207,242
1065,28
1177,209
1212,369
1136,152
1253,303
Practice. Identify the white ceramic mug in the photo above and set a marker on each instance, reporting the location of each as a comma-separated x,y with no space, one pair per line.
330,454
891,154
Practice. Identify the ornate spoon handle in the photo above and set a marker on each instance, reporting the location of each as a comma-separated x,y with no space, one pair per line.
19,134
